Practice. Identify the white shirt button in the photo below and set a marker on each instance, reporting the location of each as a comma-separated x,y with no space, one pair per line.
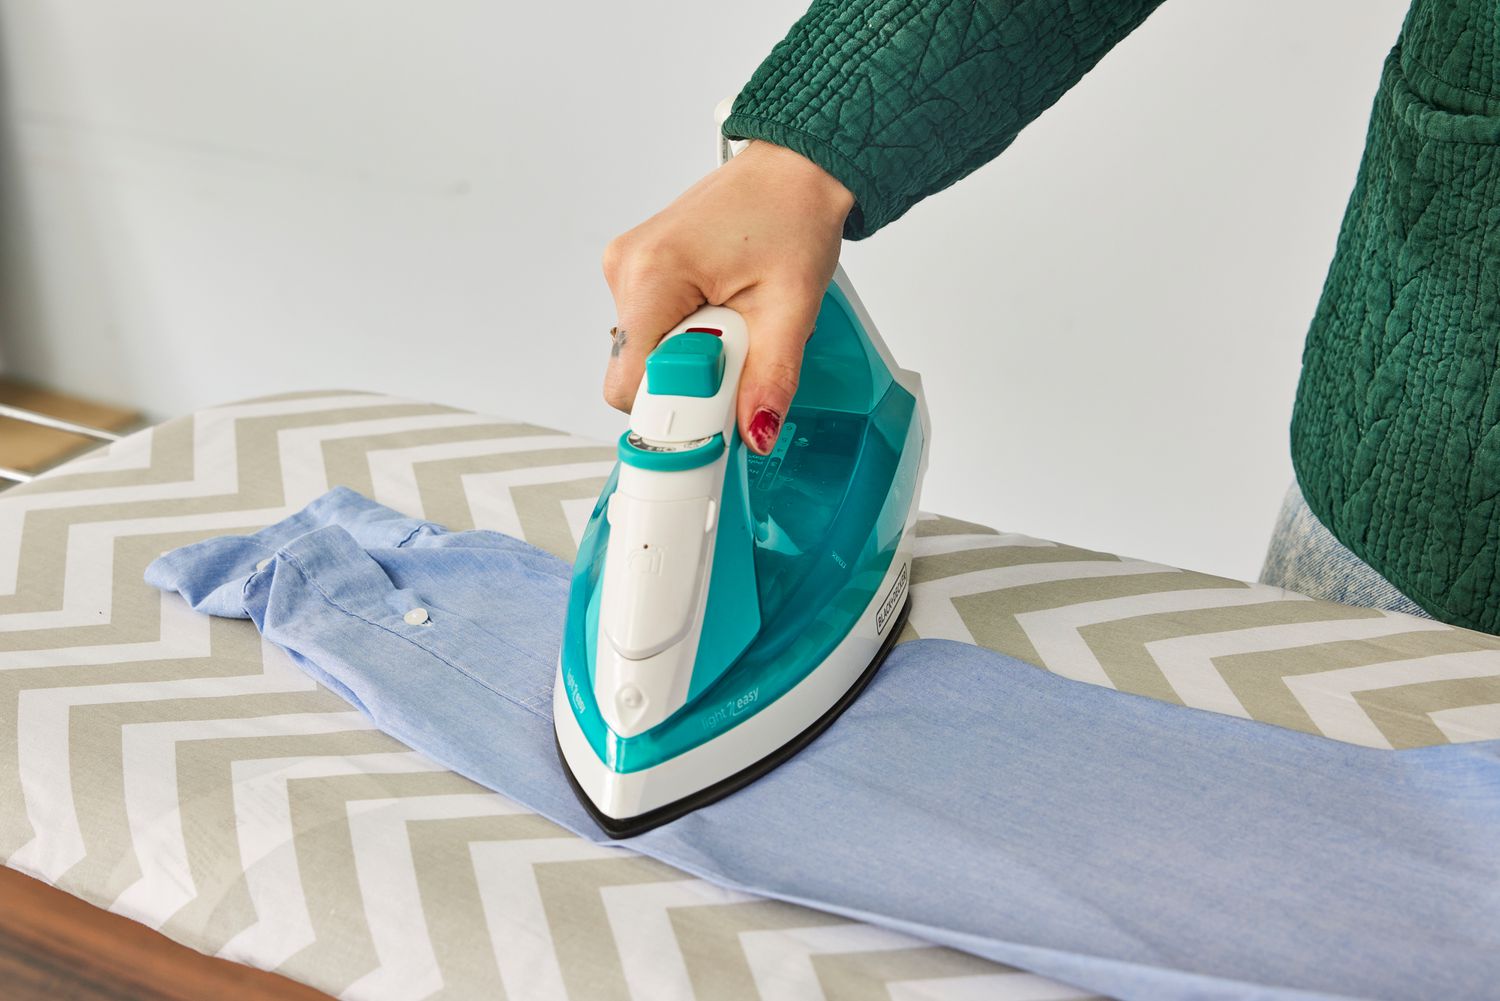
262,564
416,617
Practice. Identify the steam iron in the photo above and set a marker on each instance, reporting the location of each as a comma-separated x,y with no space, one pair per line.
726,606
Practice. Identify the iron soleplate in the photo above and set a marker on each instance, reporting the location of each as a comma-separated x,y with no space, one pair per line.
629,827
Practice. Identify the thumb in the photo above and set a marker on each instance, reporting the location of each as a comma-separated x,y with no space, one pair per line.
773,365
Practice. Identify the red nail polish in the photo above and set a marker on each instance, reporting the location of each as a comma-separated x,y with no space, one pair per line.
764,427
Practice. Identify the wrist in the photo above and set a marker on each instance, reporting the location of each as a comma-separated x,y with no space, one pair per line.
792,172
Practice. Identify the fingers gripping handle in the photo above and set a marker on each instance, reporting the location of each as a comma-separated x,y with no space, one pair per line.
663,520
662,411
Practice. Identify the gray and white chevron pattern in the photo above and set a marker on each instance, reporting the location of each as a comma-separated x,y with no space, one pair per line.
175,769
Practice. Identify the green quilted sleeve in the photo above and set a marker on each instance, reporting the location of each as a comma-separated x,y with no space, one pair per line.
901,98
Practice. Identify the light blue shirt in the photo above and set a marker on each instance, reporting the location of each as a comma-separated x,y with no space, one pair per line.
1132,847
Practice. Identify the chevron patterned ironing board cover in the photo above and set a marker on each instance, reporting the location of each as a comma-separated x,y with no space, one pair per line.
174,769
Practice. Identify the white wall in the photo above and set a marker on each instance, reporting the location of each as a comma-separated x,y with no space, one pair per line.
207,200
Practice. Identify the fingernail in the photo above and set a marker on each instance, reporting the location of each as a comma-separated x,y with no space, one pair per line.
764,427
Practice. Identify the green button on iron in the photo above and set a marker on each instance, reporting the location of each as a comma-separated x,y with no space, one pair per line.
690,364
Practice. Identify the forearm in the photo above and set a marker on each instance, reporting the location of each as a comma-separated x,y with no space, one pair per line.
901,98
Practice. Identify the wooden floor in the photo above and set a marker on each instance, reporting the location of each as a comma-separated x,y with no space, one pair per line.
55,947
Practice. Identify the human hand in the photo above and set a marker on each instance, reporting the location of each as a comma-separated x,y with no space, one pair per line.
760,235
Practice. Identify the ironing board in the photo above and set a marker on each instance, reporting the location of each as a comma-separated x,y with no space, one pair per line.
174,769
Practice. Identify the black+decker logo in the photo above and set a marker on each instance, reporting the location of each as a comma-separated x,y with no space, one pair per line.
892,600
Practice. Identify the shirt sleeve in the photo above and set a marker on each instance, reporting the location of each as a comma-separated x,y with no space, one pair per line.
901,98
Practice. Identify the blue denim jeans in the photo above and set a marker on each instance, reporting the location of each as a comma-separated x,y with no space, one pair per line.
1303,556
1132,847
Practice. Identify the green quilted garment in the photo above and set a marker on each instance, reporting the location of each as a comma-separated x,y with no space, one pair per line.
1396,431
900,98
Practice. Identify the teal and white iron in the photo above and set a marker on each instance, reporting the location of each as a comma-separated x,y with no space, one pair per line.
727,606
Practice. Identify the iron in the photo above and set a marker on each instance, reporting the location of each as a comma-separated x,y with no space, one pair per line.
725,607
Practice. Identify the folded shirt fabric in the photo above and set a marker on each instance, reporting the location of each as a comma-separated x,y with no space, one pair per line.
1129,846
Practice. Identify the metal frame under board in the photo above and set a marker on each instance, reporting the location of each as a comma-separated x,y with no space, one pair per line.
56,423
